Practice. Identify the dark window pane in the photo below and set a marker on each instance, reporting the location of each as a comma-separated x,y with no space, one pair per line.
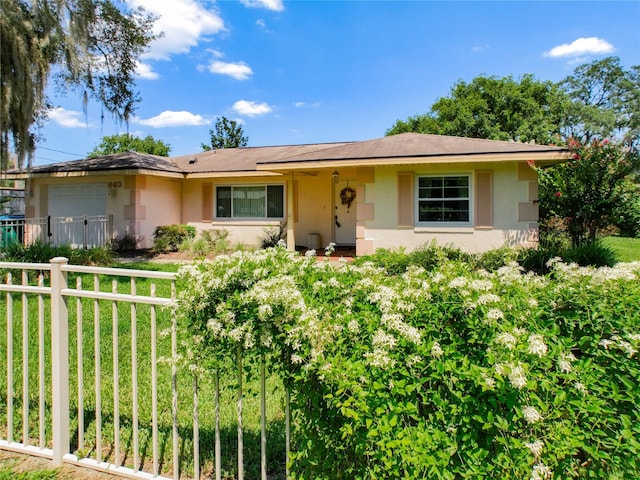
443,211
275,201
430,182
223,202
456,192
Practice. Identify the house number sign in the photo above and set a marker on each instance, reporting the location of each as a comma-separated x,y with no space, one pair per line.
115,184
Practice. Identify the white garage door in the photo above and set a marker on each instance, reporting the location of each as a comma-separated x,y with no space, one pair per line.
77,200
73,210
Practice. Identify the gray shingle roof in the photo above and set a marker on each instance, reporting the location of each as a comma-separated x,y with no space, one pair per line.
117,161
252,159
416,145
247,158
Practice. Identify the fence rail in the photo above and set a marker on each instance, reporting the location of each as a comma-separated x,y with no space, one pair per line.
44,351
81,231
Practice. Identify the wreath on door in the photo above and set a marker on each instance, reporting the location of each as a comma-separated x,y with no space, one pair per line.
347,196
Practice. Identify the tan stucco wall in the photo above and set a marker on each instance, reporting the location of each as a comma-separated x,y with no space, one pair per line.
244,232
154,201
510,193
314,208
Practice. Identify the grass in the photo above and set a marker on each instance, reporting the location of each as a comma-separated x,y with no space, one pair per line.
124,351
626,249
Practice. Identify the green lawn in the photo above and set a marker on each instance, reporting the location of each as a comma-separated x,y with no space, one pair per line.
185,418
627,249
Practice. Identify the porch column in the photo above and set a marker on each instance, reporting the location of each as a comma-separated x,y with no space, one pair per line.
291,236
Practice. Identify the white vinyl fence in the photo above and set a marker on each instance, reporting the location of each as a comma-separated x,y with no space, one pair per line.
80,390
79,232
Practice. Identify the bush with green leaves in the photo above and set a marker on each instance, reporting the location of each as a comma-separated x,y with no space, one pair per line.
213,241
42,252
271,236
451,373
590,191
168,238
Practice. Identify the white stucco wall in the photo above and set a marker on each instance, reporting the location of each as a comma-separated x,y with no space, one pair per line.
507,192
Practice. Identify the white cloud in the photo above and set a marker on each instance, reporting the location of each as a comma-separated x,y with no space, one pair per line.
275,5
169,118
144,70
306,105
239,71
184,23
251,109
581,46
68,118
480,48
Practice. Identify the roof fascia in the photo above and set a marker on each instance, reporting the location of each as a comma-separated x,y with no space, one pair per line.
98,173
245,174
544,158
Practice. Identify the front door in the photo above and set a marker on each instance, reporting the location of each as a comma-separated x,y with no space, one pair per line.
344,219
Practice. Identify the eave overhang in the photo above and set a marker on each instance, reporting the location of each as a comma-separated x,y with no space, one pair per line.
545,158
96,173
244,174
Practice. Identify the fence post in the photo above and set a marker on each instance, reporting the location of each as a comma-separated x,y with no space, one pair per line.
59,360
109,229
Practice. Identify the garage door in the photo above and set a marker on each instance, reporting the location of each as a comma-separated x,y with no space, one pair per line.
77,200
69,207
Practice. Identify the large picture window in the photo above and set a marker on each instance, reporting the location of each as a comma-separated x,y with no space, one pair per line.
250,201
444,199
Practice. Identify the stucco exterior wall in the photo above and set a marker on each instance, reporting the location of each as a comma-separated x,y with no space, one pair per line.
514,211
198,208
153,201
314,208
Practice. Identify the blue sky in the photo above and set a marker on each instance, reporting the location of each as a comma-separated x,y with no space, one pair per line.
322,71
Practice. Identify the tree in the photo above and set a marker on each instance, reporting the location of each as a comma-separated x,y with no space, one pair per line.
589,191
599,100
128,143
605,102
92,46
494,108
227,134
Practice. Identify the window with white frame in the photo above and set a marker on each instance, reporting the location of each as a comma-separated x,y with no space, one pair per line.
444,199
250,201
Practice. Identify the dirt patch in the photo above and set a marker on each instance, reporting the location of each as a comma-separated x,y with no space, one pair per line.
18,463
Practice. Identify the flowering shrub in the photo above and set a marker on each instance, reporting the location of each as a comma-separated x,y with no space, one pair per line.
590,191
450,373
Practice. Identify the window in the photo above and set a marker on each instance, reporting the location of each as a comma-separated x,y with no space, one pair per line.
250,201
444,199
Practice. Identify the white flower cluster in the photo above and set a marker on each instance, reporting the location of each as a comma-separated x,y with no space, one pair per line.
495,314
537,345
629,346
507,340
517,376
436,350
535,448
515,373
565,362
541,472
531,415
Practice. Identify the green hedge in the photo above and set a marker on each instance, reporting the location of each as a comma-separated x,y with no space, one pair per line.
449,373
168,238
